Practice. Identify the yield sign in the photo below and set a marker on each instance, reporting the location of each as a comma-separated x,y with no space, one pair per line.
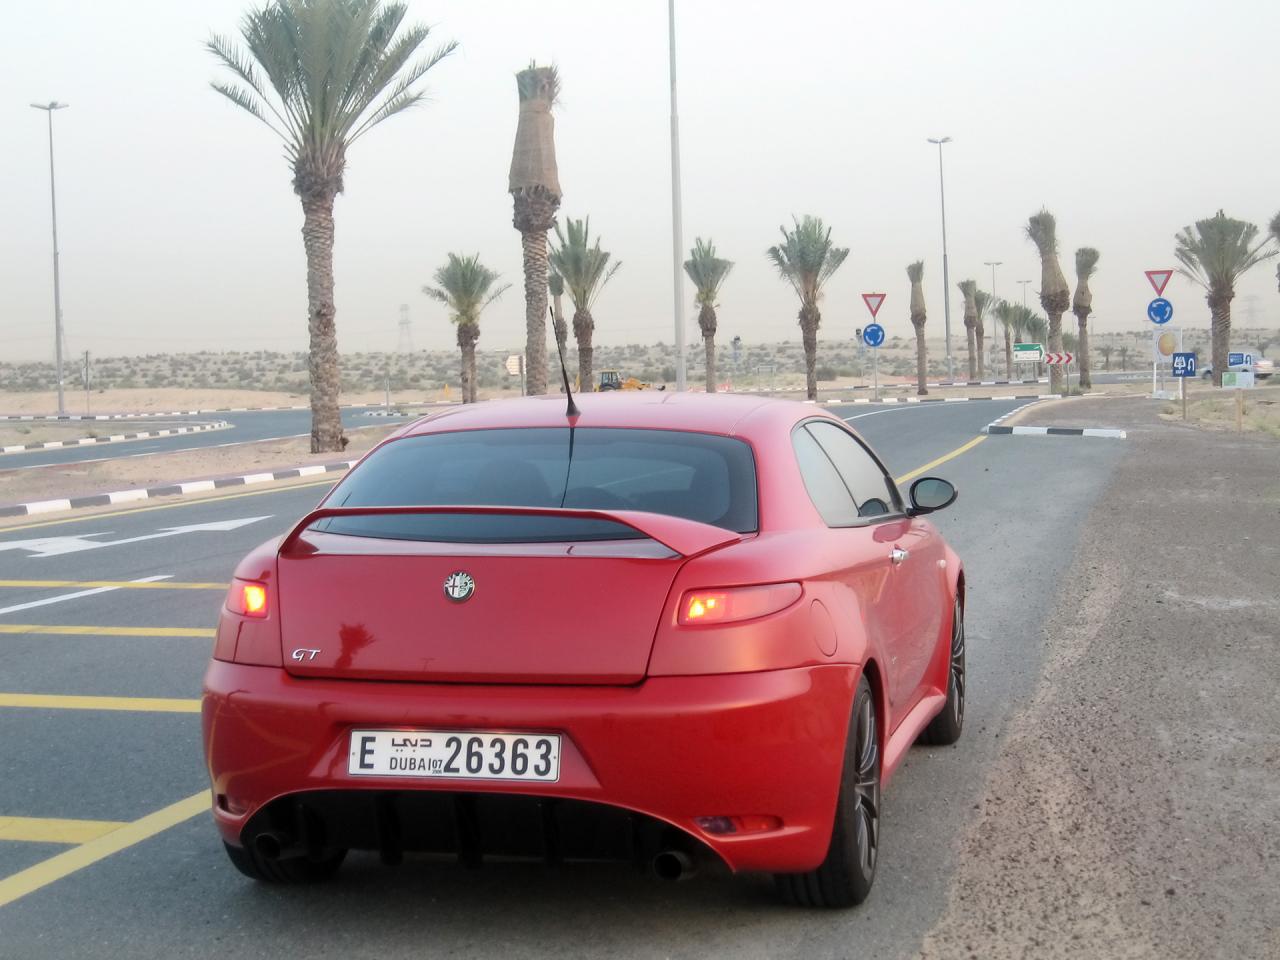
1159,279
873,301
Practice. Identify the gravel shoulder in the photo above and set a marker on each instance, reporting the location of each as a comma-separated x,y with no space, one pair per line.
1133,810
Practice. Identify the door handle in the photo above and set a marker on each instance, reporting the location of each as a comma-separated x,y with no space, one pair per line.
897,555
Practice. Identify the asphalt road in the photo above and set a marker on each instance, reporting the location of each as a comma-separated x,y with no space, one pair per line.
171,892
245,427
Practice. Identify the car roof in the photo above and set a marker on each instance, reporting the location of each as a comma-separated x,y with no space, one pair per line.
729,414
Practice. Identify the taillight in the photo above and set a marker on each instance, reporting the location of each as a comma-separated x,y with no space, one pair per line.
247,598
731,604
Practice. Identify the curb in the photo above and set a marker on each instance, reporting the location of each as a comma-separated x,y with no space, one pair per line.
188,413
114,438
993,430
169,490
998,396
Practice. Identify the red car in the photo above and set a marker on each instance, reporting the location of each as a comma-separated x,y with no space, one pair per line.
665,628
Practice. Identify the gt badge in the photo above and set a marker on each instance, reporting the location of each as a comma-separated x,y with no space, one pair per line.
459,586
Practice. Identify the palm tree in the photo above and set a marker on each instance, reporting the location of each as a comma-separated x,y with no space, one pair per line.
915,273
806,259
337,69
707,271
466,286
586,270
1055,295
1106,357
1007,314
969,288
1082,306
982,302
1124,358
1215,253
555,283
534,185
1274,229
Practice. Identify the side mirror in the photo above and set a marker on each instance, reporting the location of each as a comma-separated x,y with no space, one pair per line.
931,493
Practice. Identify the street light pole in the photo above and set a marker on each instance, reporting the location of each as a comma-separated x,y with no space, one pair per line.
48,108
993,264
677,228
946,276
1024,291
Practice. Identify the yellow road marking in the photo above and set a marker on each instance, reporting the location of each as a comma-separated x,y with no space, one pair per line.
911,475
115,584
181,502
52,701
88,631
42,830
64,864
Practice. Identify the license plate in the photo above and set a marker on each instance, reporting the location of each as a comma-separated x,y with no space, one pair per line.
465,755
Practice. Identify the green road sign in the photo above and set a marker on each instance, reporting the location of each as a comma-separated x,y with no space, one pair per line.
1028,353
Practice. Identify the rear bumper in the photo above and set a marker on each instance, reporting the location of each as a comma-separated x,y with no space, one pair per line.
672,748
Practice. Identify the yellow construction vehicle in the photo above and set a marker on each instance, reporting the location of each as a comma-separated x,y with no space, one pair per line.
613,380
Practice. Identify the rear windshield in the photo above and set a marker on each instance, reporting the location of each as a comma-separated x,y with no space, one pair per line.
697,476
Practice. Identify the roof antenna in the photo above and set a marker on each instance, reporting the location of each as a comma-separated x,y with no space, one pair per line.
572,409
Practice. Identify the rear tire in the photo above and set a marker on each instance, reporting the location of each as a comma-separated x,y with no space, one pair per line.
946,727
845,877
295,870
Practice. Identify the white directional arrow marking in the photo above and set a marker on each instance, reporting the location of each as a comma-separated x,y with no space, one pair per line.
57,546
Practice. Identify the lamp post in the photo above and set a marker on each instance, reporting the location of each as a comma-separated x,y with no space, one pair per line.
946,276
993,264
1024,291
48,108
677,228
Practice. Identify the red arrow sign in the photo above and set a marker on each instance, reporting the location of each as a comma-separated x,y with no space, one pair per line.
1058,359
873,301
1159,279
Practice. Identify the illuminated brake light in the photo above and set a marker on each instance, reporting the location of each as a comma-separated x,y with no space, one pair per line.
732,604
248,598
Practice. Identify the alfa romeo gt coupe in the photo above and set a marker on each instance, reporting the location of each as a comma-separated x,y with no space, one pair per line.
661,627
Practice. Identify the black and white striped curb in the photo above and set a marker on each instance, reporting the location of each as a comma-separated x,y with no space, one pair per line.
994,430
170,490
114,438
191,413
997,396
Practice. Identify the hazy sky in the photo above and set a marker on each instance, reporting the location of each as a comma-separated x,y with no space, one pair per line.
179,229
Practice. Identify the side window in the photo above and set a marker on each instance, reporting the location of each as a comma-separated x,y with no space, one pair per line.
872,490
826,489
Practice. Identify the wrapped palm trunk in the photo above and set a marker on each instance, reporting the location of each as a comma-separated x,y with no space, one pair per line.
707,323
534,184
915,273
810,318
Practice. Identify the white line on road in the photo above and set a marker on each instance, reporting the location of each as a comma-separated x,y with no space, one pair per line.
78,594
875,412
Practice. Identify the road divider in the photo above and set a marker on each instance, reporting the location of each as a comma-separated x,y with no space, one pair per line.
995,431
115,438
171,489
994,396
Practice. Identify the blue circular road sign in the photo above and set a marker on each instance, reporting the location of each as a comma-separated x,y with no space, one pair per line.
873,334
1160,310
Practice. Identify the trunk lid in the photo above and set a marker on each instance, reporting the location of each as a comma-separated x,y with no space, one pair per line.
371,608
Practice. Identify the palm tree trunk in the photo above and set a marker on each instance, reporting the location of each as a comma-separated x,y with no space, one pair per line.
322,360
707,323
1055,346
583,326
979,336
922,359
810,317
973,366
557,320
1008,355
1082,361
534,246
1220,311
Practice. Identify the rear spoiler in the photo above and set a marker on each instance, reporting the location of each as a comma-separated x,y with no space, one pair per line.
686,537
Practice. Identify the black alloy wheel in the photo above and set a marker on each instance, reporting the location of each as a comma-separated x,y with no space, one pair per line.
845,877
946,727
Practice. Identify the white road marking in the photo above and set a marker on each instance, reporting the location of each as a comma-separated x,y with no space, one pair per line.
58,546
875,412
78,594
